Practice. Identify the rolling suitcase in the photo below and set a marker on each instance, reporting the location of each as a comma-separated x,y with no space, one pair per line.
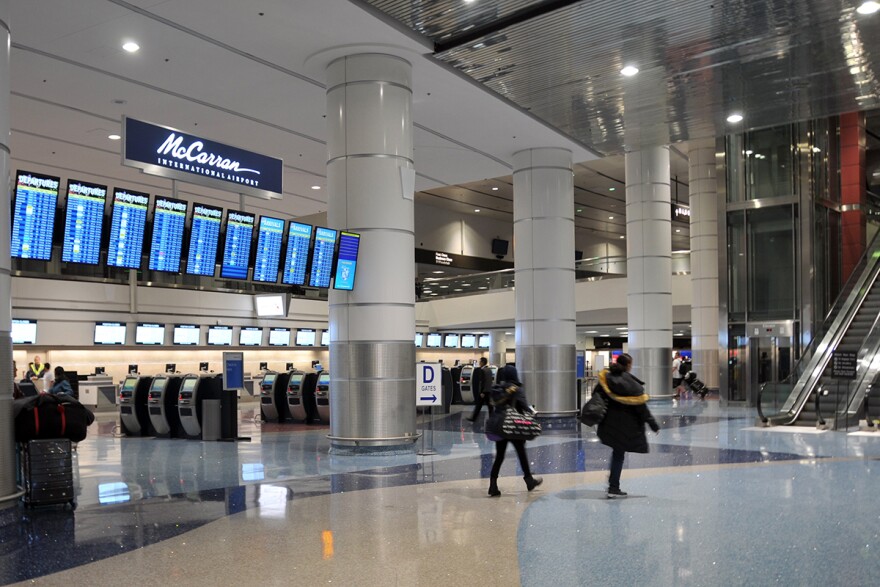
47,472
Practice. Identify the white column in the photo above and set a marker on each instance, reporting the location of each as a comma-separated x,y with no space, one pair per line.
649,268
7,445
497,347
543,233
369,178
704,259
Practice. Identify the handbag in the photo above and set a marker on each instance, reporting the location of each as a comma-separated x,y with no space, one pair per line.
593,412
518,426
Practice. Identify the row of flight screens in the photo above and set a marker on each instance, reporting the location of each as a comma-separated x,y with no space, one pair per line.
33,223
114,333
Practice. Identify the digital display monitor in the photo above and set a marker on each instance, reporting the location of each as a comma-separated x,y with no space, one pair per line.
33,217
269,237
279,337
237,248
24,331
169,220
127,228
189,384
268,305
299,237
109,333
322,257
483,341
305,337
159,382
250,336
268,378
129,384
419,339
325,338
203,239
146,333
186,334
83,222
346,261
220,335
435,340
468,341
450,341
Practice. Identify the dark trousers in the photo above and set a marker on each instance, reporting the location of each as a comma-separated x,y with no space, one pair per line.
478,405
500,449
617,457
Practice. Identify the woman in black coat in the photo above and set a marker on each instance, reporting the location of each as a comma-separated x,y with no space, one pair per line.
623,428
508,394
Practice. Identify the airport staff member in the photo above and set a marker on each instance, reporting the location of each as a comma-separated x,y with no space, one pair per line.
36,369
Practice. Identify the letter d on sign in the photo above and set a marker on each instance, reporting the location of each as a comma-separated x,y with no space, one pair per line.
427,374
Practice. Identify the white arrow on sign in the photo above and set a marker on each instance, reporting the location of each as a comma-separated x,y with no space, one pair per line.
428,384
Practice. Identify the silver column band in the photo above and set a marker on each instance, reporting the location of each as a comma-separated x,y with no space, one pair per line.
551,381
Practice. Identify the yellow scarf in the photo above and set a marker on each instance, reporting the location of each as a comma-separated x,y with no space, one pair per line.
629,400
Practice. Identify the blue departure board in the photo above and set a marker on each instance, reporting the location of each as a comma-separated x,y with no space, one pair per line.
269,238
203,239
34,215
299,237
127,228
83,222
322,257
237,249
169,220
346,260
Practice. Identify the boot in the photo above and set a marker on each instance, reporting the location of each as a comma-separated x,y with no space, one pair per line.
493,488
532,482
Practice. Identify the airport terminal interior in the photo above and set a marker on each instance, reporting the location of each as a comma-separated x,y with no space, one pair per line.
267,245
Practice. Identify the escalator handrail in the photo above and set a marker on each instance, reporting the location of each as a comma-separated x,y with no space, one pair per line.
761,415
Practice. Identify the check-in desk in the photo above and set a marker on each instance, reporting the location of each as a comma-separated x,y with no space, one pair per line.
98,393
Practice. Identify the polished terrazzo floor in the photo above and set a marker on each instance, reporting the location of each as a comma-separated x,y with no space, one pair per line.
718,501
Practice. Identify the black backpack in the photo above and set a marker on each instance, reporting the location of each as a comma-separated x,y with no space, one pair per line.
684,367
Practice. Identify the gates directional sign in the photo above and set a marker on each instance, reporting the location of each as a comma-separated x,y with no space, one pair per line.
428,384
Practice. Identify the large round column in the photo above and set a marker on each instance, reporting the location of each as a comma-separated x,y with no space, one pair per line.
372,354
704,259
543,233
497,347
649,268
7,446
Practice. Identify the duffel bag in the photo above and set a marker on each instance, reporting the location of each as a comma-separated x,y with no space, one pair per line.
51,416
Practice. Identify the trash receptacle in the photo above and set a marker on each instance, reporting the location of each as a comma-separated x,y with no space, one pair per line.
211,419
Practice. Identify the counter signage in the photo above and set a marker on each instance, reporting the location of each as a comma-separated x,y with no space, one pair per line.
233,371
428,382
168,152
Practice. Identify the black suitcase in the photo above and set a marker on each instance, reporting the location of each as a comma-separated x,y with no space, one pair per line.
47,472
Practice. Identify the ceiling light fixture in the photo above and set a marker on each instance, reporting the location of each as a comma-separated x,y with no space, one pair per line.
114,137
869,7
580,210
476,209
621,236
131,46
629,70
611,218
735,117
611,189
677,230
494,189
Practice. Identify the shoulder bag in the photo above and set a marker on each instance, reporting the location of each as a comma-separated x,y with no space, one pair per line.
518,426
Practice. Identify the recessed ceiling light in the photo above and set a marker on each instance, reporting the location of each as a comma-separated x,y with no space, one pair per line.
629,70
621,236
459,289
444,287
580,210
611,218
749,152
316,187
476,209
592,332
465,284
482,287
677,230
436,272
621,328
114,137
131,46
611,189
868,7
735,117
604,335
494,189
508,333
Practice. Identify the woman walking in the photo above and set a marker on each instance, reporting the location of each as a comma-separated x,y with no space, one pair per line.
623,428
508,394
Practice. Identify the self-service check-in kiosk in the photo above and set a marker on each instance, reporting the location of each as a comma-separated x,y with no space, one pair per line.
194,389
322,395
133,406
162,403
273,396
467,384
295,395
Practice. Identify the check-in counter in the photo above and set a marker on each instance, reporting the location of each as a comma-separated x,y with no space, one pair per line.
98,393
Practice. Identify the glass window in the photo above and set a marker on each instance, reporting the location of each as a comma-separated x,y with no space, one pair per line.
772,279
769,163
737,268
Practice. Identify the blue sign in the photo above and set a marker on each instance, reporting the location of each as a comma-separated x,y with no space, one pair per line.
34,216
127,229
168,152
346,263
581,364
233,371
271,233
84,221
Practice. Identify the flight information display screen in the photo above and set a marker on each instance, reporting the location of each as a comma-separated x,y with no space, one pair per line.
203,240
299,237
169,220
24,331
325,338
109,333
83,222
186,334
33,217
346,261
250,336
322,257
468,341
237,248
269,238
483,341
279,337
146,333
127,228
220,335
450,341
419,339
434,340
305,337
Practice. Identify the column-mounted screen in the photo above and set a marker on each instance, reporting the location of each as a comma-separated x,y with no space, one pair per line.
149,333
203,239
220,335
83,222
237,248
279,337
322,257
127,228
305,337
33,216
24,331
186,334
346,261
299,237
250,336
269,237
110,332
169,220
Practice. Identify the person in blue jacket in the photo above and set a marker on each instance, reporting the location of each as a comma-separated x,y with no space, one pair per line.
62,385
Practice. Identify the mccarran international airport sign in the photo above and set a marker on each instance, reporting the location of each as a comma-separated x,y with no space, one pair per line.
168,152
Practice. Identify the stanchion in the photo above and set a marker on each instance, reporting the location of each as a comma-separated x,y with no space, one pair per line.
427,451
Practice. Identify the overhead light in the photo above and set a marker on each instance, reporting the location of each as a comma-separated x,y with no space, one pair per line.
494,189
508,333
606,335
868,7
476,209
735,117
611,218
459,289
444,287
436,272
114,137
131,46
621,236
621,328
592,332
629,70
482,287
316,187
677,230
749,152
579,210
611,189
465,284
